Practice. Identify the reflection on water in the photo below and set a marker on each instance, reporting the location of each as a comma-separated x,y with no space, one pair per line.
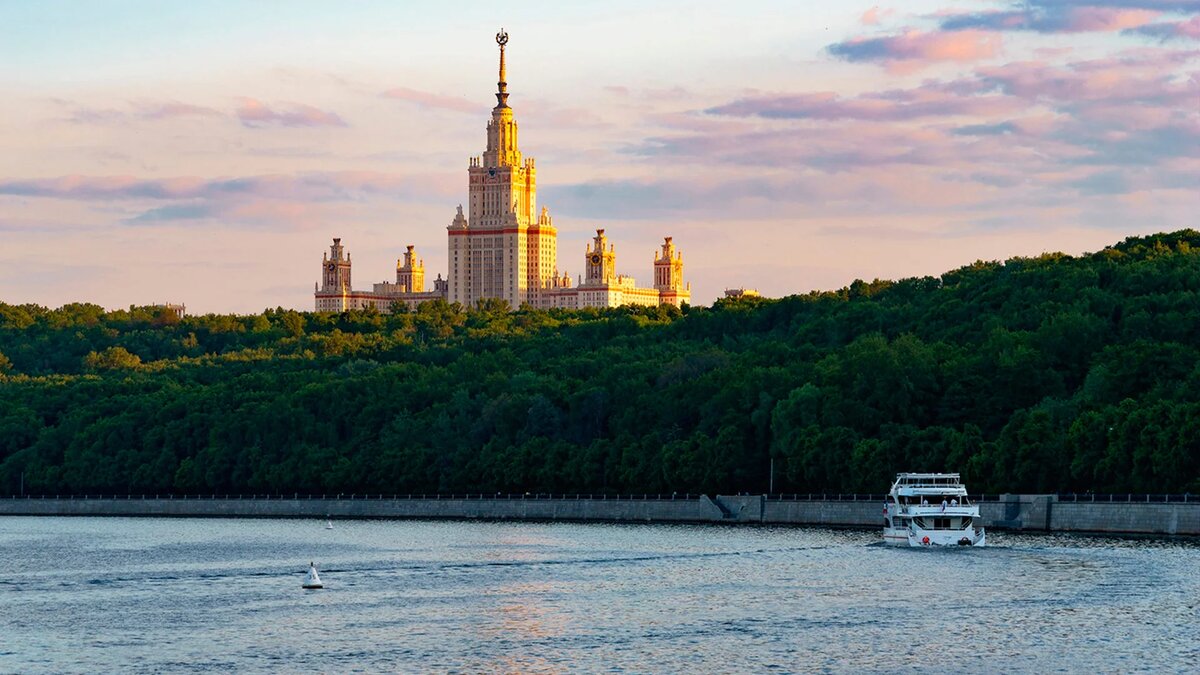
148,595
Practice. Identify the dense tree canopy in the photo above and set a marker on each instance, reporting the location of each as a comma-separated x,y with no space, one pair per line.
1054,373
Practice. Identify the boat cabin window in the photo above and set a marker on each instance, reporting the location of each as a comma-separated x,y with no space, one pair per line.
939,523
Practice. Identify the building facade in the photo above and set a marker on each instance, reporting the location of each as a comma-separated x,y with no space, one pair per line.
335,294
503,247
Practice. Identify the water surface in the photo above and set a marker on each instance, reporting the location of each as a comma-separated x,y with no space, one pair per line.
218,595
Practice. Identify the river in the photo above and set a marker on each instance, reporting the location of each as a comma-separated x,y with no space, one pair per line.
220,595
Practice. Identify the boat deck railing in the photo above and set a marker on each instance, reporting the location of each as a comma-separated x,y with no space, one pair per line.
930,485
937,510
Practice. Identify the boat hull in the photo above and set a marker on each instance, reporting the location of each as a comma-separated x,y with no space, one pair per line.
918,538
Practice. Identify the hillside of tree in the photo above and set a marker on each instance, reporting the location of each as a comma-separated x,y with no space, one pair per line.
1054,373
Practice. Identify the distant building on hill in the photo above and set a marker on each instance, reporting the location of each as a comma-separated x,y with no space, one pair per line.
739,293
334,292
506,249
178,310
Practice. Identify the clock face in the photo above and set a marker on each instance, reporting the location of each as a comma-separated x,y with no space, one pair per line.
491,172
595,258
332,267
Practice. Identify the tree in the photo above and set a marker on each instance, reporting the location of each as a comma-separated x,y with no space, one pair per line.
113,358
293,323
1050,373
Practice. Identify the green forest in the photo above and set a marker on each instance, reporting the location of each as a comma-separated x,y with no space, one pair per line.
1055,373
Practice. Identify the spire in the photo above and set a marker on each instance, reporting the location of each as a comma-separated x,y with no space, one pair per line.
502,85
502,129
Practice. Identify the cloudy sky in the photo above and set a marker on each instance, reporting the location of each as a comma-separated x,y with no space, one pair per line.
206,152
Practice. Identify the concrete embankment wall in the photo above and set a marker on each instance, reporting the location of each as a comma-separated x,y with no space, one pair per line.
665,510
1132,517
1012,512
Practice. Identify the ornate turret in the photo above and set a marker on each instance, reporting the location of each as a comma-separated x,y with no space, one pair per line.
460,220
335,268
668,267
410,272
600,261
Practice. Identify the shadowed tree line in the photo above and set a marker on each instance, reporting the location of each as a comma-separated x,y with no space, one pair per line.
1054,373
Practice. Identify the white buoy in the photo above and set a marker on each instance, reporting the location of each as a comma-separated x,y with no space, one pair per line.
328,524
312,580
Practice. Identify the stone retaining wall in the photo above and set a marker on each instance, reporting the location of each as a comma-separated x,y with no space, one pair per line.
1012,512
692,510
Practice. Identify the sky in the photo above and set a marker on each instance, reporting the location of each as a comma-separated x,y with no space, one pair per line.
206,153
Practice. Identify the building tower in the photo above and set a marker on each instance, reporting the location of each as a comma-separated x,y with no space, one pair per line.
668,275
333,294
668,267
410,272
502,249
336,264
600,261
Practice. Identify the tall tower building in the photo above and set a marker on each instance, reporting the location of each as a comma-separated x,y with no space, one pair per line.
501,249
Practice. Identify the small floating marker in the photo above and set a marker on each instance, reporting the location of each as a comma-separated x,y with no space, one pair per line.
312,580
328,524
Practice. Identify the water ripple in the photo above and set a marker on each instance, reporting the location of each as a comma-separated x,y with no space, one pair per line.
147,595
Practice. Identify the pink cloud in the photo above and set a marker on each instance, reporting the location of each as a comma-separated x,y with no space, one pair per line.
138,110
169,109
269,201
1106,19
850,146
309,187
916,49
1184,30
889,105
255,114
1083,126
873,16
1049,17
427,99
87,115
1141,77
697,121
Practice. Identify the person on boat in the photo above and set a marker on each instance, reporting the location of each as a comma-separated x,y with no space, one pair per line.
943,504
953,502
924,502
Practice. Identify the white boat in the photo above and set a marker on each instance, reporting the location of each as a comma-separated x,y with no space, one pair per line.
930,509
312,580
